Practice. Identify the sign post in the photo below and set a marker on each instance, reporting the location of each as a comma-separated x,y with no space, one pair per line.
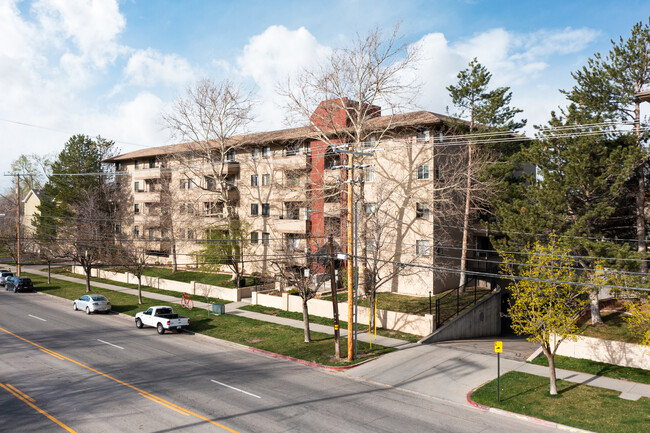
498,348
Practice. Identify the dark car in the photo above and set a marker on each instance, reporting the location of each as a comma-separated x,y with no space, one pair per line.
3,277
19,284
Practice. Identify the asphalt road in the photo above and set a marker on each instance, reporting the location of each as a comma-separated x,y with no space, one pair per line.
61,369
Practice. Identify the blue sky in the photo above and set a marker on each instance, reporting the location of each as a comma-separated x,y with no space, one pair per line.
112,67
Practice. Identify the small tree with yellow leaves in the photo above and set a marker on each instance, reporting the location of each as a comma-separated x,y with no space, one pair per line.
544,304
639,319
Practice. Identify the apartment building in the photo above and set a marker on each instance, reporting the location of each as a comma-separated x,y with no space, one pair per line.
288,187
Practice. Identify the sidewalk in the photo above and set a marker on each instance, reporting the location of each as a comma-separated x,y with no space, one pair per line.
232,308
432,370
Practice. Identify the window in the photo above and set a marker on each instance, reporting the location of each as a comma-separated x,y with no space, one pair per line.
307,148
152,234
423,172
136,164
255,153
370,208
136,231
254,179
423,135
190,209
181,208
136,208
292,242
422,210
292,149
369,174
266,151
136,186
266,238
118,166
255,237
181,233
190,234
371,245
439,250
421,248
231,155
118,229
190,184
266,209
292,210
254,209
437,174
441,137
152,163
213,209
183,183
370,142
210,184
292,178
266,179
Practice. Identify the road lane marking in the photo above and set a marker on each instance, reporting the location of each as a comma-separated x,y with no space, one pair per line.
36,317
110,344
21,393
49,352
152,398
28,400
128,385
236,389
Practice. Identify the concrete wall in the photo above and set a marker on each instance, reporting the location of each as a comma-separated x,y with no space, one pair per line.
611,352
192,287
392,320
482,320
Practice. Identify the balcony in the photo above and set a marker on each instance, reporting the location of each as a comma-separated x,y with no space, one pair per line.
146,196
292,162
299,226
146,220
147,173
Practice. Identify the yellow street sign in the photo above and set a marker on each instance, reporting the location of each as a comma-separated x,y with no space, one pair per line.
498,346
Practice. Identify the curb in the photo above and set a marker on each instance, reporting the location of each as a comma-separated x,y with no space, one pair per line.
308,363
519,416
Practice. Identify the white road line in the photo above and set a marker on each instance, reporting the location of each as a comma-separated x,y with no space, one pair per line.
35,317
110,344
236,389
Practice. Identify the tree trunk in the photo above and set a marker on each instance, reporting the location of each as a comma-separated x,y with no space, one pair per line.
551,370
49,272
88,270
174,261
640,193
595,309
140,289
372,311
468,200
305,320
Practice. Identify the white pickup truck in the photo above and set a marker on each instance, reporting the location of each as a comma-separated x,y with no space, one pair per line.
161,318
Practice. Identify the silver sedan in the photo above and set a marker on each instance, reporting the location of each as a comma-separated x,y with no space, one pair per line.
92,304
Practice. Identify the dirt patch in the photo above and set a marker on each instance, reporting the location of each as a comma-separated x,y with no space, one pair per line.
255,340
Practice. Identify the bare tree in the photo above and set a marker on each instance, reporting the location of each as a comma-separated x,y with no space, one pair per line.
89,237
340,98
294,272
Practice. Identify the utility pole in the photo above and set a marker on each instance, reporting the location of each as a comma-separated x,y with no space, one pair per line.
18,217
335,305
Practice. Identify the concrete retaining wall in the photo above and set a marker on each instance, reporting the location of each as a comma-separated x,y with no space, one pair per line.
392,320
192,287
611,352
482,320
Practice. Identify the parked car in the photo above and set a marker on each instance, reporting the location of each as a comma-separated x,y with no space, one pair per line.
3,277
19,284
92,304
161,318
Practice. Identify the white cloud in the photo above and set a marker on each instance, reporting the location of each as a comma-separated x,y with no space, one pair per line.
270,58
520,61
149,68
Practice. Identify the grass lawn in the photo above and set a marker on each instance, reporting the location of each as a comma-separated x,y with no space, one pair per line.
221,280
329,322
416,304
597,368
614,328
576,405
263,335
144,288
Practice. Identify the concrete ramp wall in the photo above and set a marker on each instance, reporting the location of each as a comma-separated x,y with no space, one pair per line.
482,320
